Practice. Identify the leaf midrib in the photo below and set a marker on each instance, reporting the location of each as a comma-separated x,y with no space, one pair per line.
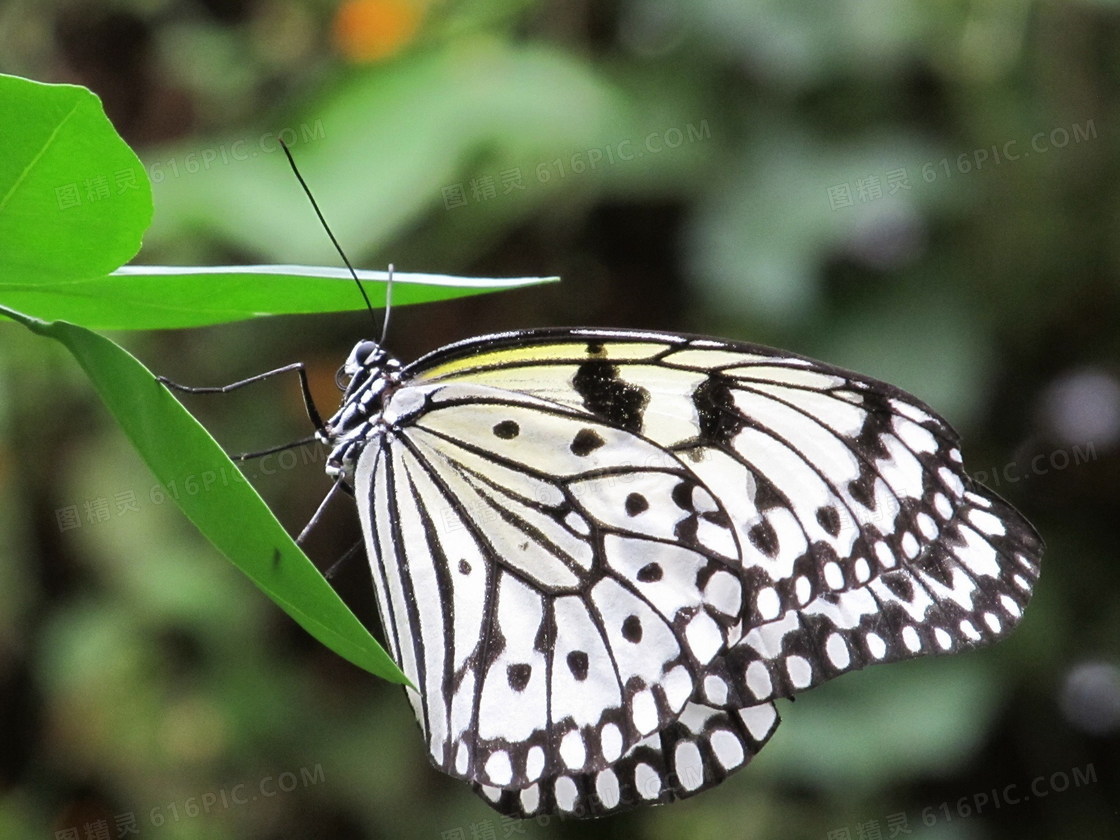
42,151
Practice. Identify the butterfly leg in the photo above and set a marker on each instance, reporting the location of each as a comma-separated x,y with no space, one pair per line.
298,367
315,517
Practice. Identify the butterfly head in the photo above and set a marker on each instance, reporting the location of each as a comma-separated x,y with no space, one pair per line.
365,366
366,380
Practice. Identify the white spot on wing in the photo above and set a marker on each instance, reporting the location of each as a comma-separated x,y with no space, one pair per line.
643,711
530,799
695,717
927,526
910,639
715,690
875,645
498,768
727,748
886,556
803,589
909,411
915,436
607,788
704,637
941,504
987,523
758,679
610,739
1010,606
534,763
862,569
909,545
837,650
759,720
799,670
769,606
647,781
573,752
678,687
688,765
724,593
951,480
566,793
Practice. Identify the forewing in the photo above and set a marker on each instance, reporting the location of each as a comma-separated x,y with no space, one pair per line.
863,540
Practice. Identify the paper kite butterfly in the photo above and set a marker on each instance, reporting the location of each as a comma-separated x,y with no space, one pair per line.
601,555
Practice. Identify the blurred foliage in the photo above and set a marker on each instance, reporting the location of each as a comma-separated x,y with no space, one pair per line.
919,190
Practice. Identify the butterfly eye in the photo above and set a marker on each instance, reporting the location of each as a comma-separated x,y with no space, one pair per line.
341,378
365,353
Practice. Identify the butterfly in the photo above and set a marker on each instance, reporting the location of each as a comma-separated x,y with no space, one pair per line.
601,555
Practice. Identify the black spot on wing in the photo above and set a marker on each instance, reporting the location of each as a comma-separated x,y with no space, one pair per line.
766,495
636,503
829,519
682,495
877,423
764,538
862,489
632,629
607,396
518,675
899,585
715,408
577,664
506,430
546,633
936,562
717,517
585,442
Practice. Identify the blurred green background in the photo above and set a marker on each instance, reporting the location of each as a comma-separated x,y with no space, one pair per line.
923,191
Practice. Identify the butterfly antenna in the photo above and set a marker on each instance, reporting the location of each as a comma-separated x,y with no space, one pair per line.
388,306
327,228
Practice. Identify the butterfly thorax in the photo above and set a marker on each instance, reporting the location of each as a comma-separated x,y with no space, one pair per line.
367,379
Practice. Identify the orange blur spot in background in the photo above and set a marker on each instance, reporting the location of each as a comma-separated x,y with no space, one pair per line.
370,30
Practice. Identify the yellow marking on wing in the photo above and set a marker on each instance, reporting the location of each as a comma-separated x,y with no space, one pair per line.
573,352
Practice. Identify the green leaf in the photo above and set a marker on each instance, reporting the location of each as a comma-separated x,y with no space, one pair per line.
215,496
74,198
170,297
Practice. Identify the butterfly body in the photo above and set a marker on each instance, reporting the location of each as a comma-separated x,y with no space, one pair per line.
601,555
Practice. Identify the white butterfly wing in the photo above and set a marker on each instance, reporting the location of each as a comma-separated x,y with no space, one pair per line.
804,521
